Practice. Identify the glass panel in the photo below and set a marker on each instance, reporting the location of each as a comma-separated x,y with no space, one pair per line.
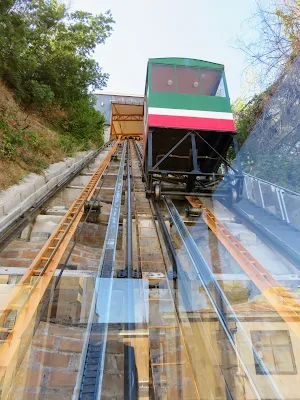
212,313
221,91
188,80
268,359
220,351
163,78
284,360
124,293
280,338
212,82
260,338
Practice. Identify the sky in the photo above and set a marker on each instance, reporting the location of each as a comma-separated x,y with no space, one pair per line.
203,29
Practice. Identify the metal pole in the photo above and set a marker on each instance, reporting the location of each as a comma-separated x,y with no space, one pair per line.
284,206
261,195
194,153
280,205
91,368
246,187
130,373
129,220
148,165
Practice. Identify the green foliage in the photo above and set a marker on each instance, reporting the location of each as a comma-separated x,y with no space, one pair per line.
37,93
272,150
279,166
83,127
16,142
85,124
289,15
46,57
246,116
49,46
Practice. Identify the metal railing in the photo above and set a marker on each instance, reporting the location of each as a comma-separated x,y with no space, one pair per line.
281,202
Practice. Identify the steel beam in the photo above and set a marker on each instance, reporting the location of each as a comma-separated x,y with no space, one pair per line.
194,153
170,151
91,370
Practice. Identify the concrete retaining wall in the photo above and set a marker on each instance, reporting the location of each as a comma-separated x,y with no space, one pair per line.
19,198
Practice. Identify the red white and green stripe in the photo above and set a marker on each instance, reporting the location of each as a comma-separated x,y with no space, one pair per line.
190,119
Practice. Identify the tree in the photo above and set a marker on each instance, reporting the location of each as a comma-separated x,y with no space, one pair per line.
270,128
274,41
289,13
46,56
46,52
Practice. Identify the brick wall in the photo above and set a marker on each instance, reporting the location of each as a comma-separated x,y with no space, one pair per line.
19,254
93,235
50,366
49,370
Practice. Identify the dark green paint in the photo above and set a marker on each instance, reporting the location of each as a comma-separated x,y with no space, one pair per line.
181,101
186,62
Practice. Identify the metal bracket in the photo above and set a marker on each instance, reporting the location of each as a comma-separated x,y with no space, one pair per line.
193,211
122,273
92,209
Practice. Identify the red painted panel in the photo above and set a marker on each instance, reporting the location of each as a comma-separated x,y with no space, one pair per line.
208,124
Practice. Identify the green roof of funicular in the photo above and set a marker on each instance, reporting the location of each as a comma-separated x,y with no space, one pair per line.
187,62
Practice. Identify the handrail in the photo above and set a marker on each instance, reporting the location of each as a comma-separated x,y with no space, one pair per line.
272,184
282,207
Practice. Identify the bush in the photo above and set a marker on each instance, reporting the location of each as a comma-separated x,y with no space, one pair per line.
85,124
37,94
46,58
46,51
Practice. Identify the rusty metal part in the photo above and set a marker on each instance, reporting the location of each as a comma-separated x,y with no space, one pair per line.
92,210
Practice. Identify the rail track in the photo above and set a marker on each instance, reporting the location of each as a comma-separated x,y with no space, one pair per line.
152,291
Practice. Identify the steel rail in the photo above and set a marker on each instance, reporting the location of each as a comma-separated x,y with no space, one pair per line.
129,220
171,294
135,201
43,268
208,194
207,279
286,306
130,383
168,241
91,369
180,277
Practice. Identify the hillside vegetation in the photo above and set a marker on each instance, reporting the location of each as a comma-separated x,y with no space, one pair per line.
47,74
268,124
